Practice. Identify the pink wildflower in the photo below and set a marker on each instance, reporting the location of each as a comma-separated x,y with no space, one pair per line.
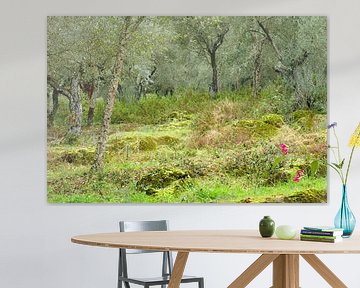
284,149
299,174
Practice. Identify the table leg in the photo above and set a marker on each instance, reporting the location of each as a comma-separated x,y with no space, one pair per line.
286,271
178,270
324,271
253,270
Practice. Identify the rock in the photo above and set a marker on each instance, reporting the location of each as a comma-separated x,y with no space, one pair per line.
258,128
273,119
134,142
167,140
80,156
161,178
307,196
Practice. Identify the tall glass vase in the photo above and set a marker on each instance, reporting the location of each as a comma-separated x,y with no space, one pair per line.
345,219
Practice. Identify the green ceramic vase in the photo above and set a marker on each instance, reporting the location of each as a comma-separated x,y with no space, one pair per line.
266,227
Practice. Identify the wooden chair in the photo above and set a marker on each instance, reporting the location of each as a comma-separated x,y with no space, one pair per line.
167,262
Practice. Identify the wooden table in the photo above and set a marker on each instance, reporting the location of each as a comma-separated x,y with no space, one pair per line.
284,254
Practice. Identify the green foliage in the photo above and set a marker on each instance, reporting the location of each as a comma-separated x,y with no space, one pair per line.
170,54
154,109
61,117
314,166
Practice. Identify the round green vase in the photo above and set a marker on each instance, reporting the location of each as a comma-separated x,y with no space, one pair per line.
267,227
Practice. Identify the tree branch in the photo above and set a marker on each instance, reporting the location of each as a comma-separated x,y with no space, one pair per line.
220,38
57,87
269,38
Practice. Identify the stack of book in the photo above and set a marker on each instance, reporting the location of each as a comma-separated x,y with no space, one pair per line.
321,234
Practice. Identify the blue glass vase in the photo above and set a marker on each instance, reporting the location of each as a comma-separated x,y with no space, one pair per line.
345,219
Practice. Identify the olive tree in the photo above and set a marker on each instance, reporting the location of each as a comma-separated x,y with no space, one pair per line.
123,30
205,35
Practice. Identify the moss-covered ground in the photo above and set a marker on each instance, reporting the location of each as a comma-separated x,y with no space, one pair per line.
189,148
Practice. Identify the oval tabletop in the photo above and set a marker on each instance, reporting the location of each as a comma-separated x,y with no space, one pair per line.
221,241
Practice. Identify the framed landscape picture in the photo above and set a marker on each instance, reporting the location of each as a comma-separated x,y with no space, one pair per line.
187,109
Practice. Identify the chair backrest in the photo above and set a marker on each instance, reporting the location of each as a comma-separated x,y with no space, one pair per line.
134,226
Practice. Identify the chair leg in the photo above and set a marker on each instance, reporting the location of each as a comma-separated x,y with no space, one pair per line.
201,283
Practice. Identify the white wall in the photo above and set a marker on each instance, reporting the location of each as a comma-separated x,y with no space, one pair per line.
35,248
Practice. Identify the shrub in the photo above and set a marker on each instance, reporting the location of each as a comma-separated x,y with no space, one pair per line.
177,115
99,110
275,98
175,125
198,166
218,114
309,120
293,139
225,111
256,164
222,137
205,121
190,102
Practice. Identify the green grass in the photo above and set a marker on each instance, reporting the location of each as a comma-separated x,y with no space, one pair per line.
210,191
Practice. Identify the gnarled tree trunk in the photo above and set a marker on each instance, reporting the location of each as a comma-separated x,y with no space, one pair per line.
100,149
285,68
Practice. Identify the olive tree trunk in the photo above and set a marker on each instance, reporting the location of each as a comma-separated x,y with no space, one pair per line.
76,110
215,84
100,149
92,103
131,24
54,107
257,68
